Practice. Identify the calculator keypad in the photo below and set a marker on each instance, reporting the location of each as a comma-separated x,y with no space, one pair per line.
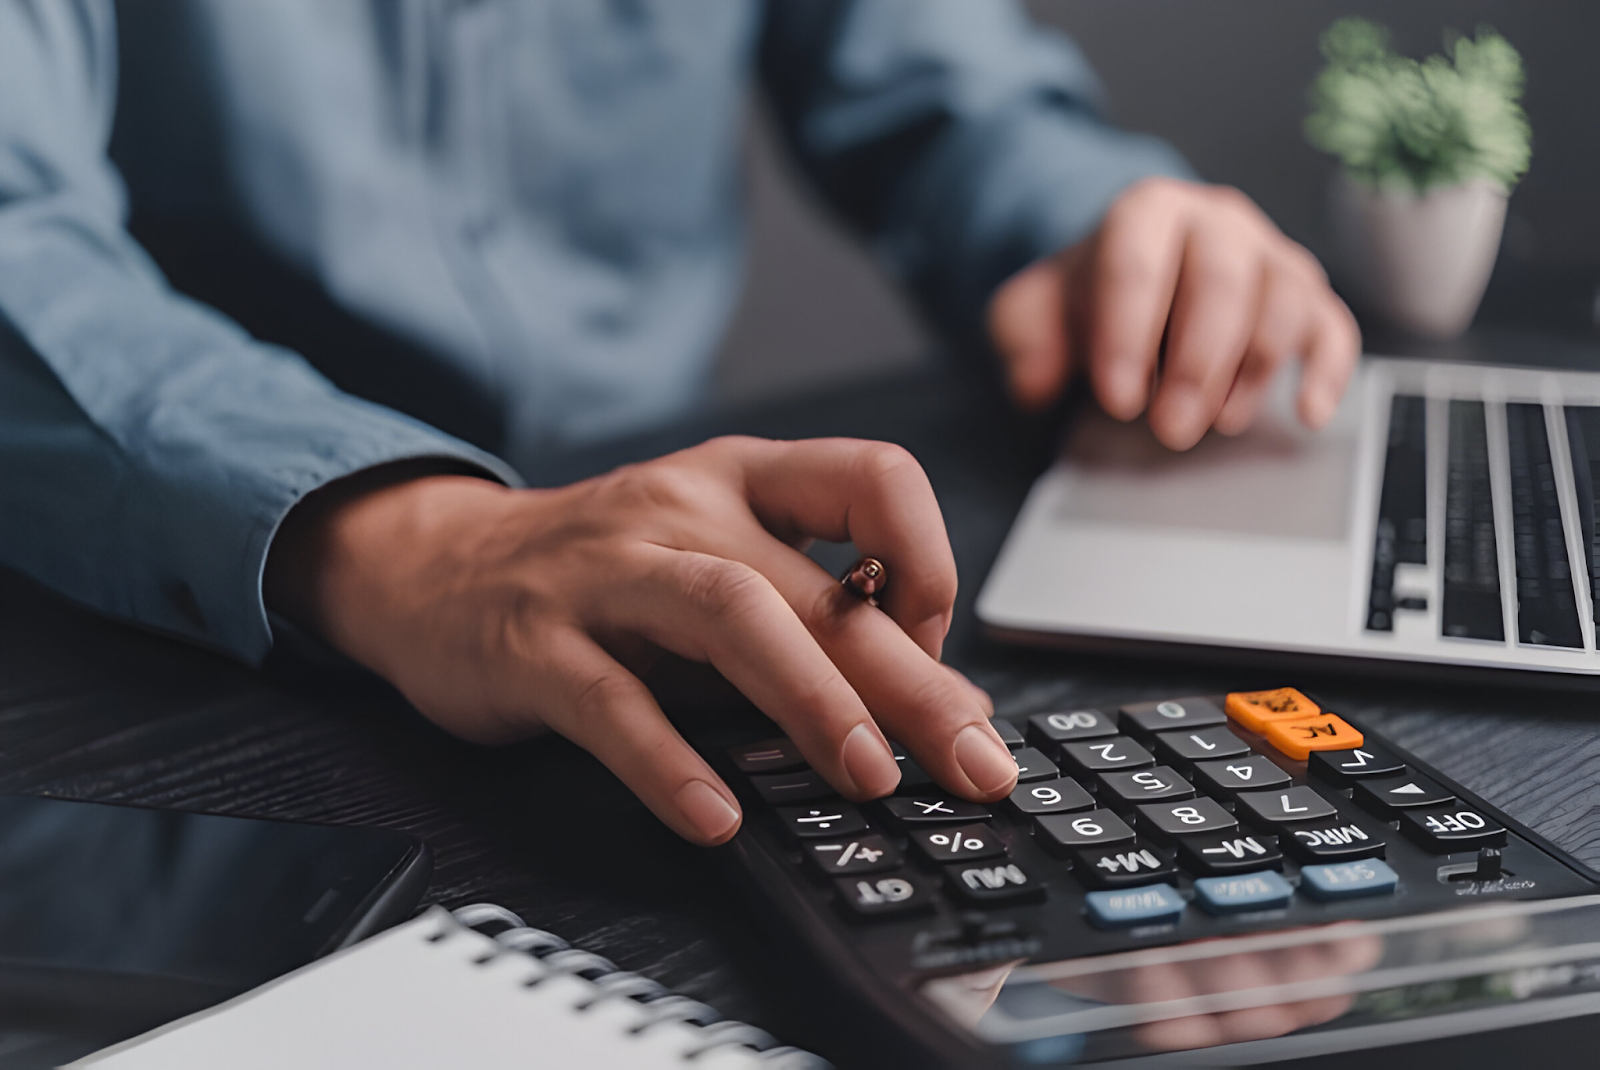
1242,807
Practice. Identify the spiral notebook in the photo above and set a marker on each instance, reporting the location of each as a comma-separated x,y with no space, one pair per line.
476,989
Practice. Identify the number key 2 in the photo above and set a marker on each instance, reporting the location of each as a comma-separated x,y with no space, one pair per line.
1099,755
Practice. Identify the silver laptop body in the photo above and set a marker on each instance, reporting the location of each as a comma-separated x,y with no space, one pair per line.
1445,515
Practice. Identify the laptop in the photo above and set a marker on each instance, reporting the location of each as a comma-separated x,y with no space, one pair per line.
1446,515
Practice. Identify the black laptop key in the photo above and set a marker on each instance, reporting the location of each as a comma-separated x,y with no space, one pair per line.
1104,755
1387,796
957,843
1402,529
1337,839
1166,821
1452,827
768,756
1345,767
802,785
847,857
1219,854
1228,776
1008,733
932,809
822,820
1033,765
1068,832
1147,718
1471,608
1059,796
1126,788
1547,609
1050,730
992,883
1199,745
1583,441
1122,866
882,894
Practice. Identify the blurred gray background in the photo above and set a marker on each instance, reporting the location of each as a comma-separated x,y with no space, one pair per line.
1225,81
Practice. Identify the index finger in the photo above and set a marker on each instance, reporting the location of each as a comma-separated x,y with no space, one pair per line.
875,495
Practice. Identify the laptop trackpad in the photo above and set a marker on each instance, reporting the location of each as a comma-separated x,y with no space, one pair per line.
1278,479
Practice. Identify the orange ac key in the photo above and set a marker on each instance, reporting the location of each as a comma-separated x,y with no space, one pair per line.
1257,709
1299,738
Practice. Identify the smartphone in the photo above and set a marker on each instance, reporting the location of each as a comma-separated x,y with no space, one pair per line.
114,919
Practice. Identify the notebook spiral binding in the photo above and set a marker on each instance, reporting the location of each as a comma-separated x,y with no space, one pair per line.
660,1003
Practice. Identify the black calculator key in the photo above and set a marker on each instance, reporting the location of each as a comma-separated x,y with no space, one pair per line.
802,785
1218,854
1333,840
1033,765
1058,796
1103,755
1345,767
1050,730
1125,789
1282,806
1167,820
956,843
1199,745
932,809
1387,796
1068,832
1229,776
913,778
1122,866
824,821
870,853
768,756
1009,734
891,893
985,883
1455,827
1148,718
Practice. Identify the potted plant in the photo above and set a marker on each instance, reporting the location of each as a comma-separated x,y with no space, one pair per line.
1431,150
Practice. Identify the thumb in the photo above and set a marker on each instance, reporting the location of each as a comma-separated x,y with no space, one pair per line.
1028,327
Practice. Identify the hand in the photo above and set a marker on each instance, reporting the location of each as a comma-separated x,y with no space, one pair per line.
1193,280
500,613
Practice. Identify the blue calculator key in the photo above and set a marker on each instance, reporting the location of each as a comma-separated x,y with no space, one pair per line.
1247,891
1147,905
1348,880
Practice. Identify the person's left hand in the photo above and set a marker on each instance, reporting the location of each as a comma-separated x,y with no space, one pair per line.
1189,279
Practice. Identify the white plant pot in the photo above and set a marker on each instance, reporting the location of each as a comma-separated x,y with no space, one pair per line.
1420,261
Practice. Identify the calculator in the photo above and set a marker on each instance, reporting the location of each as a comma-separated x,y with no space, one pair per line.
1205,880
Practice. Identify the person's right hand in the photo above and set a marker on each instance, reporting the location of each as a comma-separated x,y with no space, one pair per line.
500,613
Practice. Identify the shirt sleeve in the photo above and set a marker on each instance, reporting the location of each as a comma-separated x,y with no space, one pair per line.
148,446
962,139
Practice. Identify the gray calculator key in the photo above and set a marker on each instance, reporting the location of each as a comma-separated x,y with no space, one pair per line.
913,778
889,893
1228,776
1284,806
1072,831
1452,827
851,855
932,809
1122,865
1125,788
1069,726
1009,735
1344,767
1148,718
767,756
1387,796
1033,765
957,843
1170,819
803,785
1058,796
996,881
822,821
1103,755
1199,745
1334,839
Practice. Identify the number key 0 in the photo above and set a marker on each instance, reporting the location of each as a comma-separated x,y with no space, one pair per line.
1051,797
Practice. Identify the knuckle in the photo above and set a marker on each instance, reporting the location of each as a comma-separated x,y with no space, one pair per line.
601,699
885,462
718,587
655,486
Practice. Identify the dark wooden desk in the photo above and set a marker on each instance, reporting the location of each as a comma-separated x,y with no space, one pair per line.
92,709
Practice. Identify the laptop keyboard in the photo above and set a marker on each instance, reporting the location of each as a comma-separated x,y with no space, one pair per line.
1545,607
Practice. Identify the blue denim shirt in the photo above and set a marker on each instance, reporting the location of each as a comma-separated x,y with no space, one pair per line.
539,197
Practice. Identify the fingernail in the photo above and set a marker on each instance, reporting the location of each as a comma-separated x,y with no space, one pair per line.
704,807
870,762
1185,422
985,760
